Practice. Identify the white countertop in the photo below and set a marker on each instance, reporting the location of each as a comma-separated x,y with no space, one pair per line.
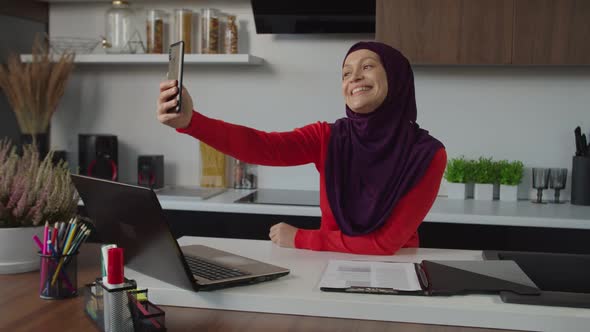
520,213
298,293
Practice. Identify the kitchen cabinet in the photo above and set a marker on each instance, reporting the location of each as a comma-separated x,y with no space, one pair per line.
555,32
31,10
519,32
448,31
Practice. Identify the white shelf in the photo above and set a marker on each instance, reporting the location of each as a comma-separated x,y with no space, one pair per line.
142,59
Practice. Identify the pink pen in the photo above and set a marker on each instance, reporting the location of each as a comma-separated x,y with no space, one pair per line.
43,261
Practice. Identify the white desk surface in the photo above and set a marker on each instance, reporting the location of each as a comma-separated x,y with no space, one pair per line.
298,293
520,213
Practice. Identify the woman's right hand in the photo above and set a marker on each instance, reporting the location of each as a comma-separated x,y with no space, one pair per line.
167,101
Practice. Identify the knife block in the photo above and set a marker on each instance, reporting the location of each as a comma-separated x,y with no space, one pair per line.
580,180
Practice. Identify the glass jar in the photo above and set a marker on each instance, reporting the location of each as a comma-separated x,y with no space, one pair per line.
230,44
156,31
119,27
183,28
209,31
245,176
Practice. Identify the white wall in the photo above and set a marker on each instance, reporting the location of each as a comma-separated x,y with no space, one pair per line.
525,113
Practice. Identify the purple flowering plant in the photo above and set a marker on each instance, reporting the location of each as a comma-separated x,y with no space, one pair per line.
33,191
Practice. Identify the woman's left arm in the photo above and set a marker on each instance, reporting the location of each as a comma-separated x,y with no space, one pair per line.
403,223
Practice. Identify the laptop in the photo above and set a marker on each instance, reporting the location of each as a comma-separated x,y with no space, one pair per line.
131,217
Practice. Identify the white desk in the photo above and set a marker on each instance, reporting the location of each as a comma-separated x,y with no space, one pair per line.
298,293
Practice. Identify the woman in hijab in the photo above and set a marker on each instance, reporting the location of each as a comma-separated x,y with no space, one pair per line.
379,171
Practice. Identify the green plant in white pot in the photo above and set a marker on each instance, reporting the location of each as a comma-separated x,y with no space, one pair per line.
459,178
32,192
485,175
510,174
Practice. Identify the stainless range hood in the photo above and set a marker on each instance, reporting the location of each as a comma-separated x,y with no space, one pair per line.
313,16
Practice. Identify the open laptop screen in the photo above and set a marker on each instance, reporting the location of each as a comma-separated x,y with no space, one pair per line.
131,217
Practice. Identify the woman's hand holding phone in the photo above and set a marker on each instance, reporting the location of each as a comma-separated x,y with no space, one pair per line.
167,102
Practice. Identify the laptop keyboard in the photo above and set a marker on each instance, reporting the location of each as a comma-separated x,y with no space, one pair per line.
212,271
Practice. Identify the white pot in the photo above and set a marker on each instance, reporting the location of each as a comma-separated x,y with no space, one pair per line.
456,190
18,252
484,192
508,193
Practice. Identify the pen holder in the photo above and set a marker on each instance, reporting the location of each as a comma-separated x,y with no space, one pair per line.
58,276
148,318
117,317
580,181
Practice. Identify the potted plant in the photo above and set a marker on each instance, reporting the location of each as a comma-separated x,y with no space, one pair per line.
32,192
459,178
510,174
34,89
485,175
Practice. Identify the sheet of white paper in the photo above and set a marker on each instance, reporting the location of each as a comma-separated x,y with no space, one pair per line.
345,274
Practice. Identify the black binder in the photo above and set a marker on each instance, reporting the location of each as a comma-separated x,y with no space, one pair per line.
561,278
458,277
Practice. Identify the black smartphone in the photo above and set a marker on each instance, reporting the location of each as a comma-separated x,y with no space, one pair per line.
175,67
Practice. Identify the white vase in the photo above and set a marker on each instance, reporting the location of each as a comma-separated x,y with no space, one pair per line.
484,192
508,193
456,190
18,252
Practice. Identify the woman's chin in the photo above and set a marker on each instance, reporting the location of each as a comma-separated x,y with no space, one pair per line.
362,109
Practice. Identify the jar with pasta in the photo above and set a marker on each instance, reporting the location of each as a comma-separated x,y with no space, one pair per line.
230,43
209,31
183,28
213,167
156,31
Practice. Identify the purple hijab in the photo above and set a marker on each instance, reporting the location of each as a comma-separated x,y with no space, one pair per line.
374,159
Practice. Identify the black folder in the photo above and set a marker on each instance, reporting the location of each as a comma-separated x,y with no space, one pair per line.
439,277
562,278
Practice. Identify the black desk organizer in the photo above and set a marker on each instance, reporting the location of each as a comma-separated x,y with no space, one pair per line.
564,279
144,315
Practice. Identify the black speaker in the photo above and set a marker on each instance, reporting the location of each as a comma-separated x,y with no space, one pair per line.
150,171
59,155
98,156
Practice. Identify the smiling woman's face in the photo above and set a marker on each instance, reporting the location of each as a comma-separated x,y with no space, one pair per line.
364,81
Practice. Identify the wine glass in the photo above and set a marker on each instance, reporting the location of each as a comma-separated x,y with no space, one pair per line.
540,182
557,180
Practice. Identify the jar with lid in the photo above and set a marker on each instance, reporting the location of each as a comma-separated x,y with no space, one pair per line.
244,175
183,28
156,30
119,20
209,31
230,43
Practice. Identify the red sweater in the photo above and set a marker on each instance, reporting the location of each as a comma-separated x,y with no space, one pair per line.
309,144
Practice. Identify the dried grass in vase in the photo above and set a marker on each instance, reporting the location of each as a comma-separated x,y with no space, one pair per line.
35,88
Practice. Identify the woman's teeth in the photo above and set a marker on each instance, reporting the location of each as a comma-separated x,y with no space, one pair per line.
362,88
